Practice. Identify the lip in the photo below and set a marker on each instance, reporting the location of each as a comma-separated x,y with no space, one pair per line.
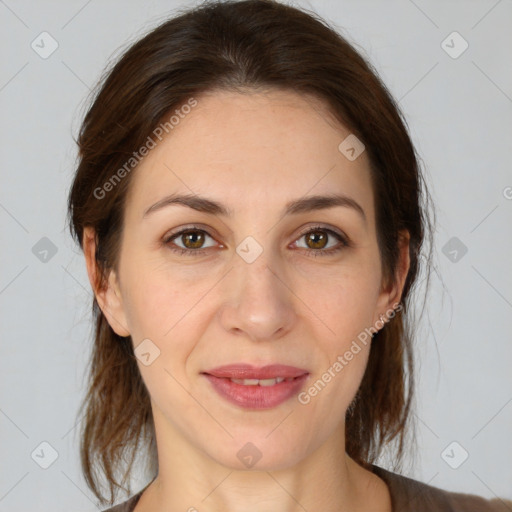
247,371
256,397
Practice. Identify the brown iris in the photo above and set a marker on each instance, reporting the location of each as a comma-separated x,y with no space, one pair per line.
195,237
319,238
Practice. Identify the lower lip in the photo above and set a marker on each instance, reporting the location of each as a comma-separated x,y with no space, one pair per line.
257,397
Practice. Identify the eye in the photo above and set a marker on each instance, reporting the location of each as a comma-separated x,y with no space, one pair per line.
317,239
192,238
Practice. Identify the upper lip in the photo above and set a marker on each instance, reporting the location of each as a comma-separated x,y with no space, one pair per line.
247,371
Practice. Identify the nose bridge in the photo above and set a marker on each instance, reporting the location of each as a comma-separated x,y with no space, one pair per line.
258,301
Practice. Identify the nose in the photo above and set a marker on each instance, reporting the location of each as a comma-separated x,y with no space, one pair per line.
259,302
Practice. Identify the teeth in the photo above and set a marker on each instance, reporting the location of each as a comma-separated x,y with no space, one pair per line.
260,382
270,382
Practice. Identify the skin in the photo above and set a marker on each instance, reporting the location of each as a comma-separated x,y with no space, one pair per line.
287,306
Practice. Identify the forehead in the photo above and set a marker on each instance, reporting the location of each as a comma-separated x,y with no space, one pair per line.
252,150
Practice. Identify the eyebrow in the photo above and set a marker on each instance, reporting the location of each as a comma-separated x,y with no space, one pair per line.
302,205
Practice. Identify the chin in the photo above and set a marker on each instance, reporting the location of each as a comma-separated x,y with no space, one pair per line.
258,453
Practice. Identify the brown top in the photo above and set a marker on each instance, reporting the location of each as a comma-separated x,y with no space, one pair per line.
407,495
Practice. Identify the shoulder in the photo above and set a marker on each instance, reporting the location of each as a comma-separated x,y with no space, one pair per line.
460,501
126,506
408,494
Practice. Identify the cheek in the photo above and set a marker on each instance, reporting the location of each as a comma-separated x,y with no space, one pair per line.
170,313
155,299
327,397
159,311
150,310
343,305
346,312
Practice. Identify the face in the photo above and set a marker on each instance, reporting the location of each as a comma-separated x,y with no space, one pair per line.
255,284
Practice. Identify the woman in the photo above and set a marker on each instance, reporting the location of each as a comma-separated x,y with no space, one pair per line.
251,212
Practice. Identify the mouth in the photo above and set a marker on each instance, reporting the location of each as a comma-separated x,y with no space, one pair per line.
257,388
262,382
243,371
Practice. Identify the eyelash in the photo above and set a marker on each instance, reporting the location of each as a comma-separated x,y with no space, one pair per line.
313,252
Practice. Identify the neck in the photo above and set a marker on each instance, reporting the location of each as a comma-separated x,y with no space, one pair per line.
190,480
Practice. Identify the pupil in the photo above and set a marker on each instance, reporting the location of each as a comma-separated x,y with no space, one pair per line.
317,237
191,236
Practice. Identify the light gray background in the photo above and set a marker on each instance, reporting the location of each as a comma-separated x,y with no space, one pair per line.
460,114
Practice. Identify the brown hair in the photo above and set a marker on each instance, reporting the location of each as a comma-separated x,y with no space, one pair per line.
240,46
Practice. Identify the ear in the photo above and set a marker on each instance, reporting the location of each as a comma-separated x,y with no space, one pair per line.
392,291
108,295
